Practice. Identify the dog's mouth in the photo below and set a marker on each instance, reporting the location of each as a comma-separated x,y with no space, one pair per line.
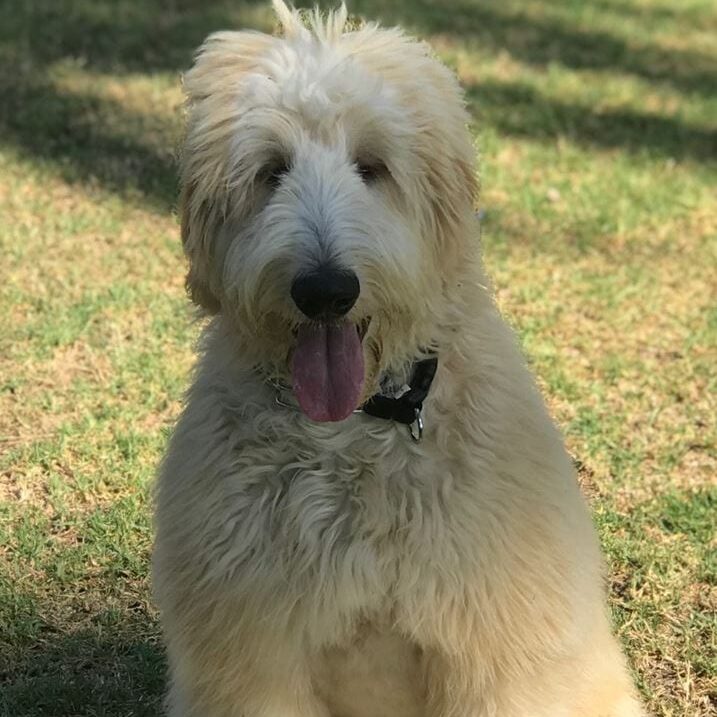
327,368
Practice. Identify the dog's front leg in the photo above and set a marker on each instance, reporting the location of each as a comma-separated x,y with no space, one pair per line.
261,695
221,672
467,685
471,674
457,686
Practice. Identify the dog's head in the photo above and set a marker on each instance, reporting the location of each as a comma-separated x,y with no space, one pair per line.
328,182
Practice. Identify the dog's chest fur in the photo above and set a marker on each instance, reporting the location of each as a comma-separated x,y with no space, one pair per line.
360,499
343,516
330,536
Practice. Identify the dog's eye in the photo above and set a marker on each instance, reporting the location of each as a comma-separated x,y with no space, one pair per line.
371,170
275,172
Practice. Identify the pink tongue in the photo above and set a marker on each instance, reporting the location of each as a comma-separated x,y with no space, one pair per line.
327,371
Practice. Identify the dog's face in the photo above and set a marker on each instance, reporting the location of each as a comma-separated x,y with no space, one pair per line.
328,182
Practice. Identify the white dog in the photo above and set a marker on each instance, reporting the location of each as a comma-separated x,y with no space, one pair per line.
320,552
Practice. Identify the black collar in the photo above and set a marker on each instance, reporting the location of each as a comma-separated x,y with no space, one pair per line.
407,407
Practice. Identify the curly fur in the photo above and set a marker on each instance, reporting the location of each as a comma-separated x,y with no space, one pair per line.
339,569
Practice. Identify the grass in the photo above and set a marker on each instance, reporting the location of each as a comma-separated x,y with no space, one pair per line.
596,123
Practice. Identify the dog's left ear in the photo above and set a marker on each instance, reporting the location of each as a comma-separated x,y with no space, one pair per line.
452,183
443,143
455,182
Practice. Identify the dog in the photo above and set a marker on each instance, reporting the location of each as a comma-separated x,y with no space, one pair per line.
365,509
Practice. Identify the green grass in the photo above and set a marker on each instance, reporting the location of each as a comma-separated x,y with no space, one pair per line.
597,125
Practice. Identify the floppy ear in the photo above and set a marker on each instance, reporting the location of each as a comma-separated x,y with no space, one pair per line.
197,228
446,148
213,88
443,144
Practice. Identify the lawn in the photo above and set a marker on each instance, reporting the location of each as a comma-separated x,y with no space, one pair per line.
597,125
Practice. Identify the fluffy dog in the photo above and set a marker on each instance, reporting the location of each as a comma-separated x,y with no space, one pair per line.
318,554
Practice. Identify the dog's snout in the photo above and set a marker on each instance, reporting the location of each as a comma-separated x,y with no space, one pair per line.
325,293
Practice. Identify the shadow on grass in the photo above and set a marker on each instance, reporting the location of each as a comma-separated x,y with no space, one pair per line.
116,668
539,40
91,140
116,35
517,109
680,13
95,139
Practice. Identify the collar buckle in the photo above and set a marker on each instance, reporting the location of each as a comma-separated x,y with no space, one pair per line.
417,434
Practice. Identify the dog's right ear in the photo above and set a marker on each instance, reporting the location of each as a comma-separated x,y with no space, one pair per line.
197,228
214,88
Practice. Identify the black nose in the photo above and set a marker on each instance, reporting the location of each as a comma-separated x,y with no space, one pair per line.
325,293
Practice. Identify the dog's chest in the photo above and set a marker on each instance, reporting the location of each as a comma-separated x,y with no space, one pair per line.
335,526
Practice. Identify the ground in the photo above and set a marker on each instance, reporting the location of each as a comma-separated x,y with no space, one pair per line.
596,123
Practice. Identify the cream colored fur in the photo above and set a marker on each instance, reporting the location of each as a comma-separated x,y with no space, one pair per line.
339,569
